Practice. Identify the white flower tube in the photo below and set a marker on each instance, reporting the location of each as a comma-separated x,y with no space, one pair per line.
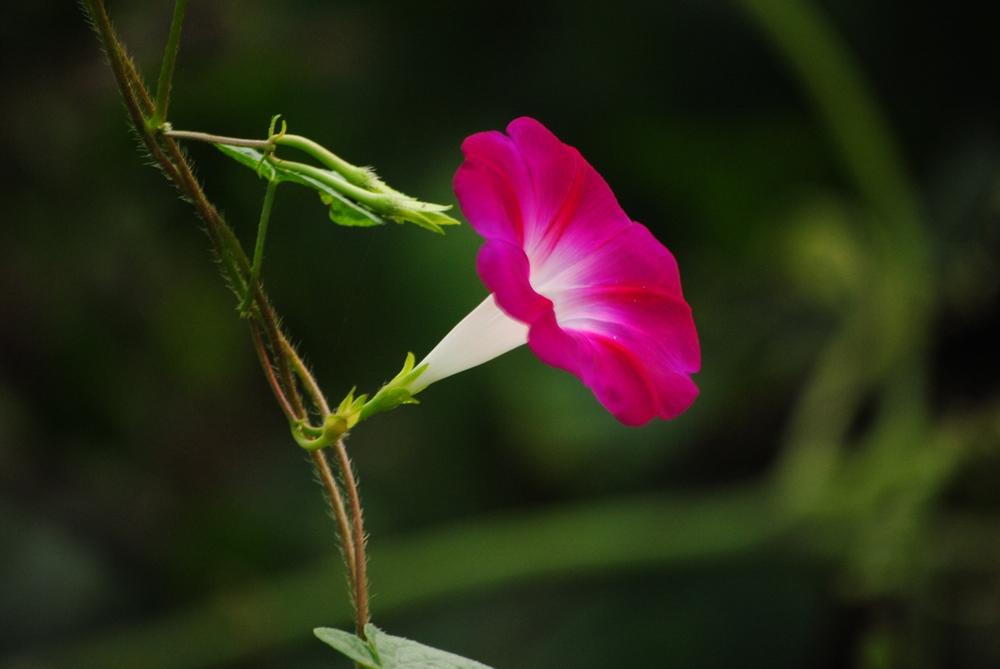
479,337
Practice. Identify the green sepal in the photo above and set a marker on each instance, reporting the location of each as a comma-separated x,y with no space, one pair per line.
396,392
386,399
350,408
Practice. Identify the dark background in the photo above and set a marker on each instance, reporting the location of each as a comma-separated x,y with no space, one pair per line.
154,511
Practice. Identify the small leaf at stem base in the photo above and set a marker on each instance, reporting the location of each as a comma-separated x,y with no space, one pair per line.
349,644
384,651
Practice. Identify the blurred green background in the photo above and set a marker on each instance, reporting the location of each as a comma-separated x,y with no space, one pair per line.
828,177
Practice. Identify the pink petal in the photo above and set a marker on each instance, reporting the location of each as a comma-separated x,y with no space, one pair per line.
574,210
632,257
601,296
658,326
490,186
504,269
656,329
532,188
618,380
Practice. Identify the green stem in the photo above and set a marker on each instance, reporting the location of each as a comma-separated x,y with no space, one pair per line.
167,70
258,252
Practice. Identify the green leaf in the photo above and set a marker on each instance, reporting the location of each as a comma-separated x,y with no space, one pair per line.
398,653
343,211
250,158
384,651
350,645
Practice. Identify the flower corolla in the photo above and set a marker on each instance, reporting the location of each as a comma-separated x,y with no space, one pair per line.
569,274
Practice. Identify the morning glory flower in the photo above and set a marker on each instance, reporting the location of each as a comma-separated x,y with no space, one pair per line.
570,275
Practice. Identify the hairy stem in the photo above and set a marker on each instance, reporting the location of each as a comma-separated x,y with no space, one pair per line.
360,562
265,364
139,88
318,399
339,513
234,261
277,357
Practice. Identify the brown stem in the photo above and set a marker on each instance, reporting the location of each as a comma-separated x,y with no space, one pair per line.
237,267
138,87
265,364
178,169
232,254
361,577
277,337
307,378
116,58
263,144
354,547
180,172
339,512
129,85
132,90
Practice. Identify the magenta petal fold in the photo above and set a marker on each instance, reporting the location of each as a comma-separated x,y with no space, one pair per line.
599,296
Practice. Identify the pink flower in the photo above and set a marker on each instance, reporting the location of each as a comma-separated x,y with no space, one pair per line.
589,291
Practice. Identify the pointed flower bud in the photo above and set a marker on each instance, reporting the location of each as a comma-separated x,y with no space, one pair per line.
355,195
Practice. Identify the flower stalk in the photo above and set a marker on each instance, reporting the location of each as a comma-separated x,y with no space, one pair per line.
258,254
